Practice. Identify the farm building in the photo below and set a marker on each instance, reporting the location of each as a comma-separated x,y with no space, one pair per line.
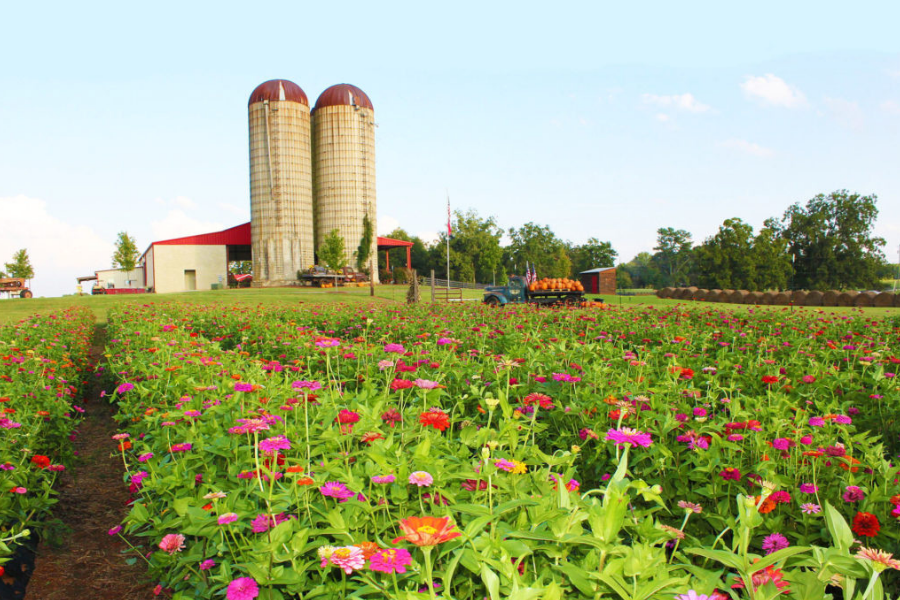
116,279
599,281
195,262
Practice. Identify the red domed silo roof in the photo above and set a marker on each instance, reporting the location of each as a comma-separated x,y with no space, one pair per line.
279,89
344,94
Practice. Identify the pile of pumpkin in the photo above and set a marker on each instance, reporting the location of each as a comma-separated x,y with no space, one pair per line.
557,285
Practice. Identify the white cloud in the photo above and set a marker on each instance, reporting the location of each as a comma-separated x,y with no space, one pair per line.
178,224
890,107
237,211
679,101
50,243
184,202
895,73
387,224
846,112
773,91
747,148
428,237
662,117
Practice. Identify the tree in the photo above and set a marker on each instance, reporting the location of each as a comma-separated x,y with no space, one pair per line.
674,256
643,270
20,266
240,267
126,255
331,252
832,241
475,252
419,254
537,245
773,261
623,278
365,245
591,255
726,260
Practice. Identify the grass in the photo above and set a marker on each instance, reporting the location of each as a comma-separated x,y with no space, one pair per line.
16,309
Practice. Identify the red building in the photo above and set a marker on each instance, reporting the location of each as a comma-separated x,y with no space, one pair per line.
599,281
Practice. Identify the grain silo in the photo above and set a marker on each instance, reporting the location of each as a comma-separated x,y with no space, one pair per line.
281,200
343,127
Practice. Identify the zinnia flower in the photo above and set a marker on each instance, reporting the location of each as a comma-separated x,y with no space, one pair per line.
773,543
810,509
242,588
881,560
436,418
866,524
348,558
853,493
392,560
334,489
627,435
421,478
273,444
427,531
172,543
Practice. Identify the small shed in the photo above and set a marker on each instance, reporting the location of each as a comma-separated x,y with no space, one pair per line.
599,281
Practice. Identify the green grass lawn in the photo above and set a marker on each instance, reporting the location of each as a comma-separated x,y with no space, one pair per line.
16,309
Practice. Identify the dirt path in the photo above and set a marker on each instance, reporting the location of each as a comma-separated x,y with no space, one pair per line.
89,563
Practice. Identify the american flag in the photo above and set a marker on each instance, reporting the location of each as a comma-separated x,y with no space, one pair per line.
449,226
533,274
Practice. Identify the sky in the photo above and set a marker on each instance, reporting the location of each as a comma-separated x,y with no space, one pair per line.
597,119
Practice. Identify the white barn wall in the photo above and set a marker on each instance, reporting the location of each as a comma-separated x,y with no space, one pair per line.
170,261
120,279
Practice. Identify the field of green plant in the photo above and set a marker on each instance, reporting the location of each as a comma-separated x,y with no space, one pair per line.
455,451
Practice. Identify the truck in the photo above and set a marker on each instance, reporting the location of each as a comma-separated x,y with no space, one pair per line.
517,292
14,285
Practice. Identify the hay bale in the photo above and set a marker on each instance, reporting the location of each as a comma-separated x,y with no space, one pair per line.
896,299
865,299
814,298
687,293
780,298
752,297
847,298
883,299
701,295
799,297
737,296
830,298
665,292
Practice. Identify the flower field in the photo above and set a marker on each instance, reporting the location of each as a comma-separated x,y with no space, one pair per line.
463,452
43,363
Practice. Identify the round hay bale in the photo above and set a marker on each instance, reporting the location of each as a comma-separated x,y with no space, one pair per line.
883,299
752,297
724,295
830,298
865,299
896,299
814,298
737,296
847,298
780,298
799,297
701,295
665,292
687,293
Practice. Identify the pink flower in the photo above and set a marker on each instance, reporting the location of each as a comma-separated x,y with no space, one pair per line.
627,435
228,518
810,509
172,543
244,387
421,478
115,530
383,479
394,348
853,494
808,488
273,444
392,560
334,489
207,564
242,588
348,558
775,542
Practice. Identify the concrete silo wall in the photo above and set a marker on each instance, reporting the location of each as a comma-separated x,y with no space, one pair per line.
281,198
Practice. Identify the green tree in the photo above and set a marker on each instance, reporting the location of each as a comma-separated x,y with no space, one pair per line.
726,260
419,255
475,252
537,245
674,256
20,266
623,278
240,267
364,251
644,271
832,241
331,252
772,259
591,255
126,255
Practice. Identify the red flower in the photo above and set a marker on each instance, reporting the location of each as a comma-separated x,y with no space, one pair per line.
435,418
769,379
41,461
392,416
866,524
371,436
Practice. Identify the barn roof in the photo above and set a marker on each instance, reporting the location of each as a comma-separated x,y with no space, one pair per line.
598,270
386,242
239,235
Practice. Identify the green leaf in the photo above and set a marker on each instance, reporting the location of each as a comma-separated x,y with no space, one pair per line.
180,506
773,558
729,559
491,581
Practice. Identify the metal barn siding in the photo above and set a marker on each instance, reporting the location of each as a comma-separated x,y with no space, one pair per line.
599,281
281,200
343,128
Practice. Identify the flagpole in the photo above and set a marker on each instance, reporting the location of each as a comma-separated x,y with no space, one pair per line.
448,240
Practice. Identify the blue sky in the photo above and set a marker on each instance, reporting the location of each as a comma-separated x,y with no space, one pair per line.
597,119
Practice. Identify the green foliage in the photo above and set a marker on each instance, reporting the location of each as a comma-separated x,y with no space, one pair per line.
331,252
832,241
20,265
644,271
364,251
623,278
475,252
537,245
591,255
725,260
674,256
126,255
240,267
419,255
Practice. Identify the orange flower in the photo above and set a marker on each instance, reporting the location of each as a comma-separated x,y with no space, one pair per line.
435,418
427,531
305,481
368,549
294,469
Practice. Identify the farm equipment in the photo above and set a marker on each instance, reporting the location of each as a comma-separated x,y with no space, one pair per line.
322,277
548,291
15,285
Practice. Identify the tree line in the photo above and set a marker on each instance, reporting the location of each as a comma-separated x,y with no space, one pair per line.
827,243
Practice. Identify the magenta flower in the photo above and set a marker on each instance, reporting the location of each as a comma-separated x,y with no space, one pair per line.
328,343
394,348
421,478
243,387
692,595
242,588
145,457
808,379
781,443
181,447
261,524
125,387
273,444
207,564
392,560
115,530
808,488
843,420
334,489
228,518
383,479
775,542
312,386
505,465
816,422
853,493
172,543
627,435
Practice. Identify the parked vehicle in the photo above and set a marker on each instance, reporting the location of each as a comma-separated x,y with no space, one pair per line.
517,291
15,285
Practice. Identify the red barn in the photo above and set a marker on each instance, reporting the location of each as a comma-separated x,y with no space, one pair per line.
599,281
